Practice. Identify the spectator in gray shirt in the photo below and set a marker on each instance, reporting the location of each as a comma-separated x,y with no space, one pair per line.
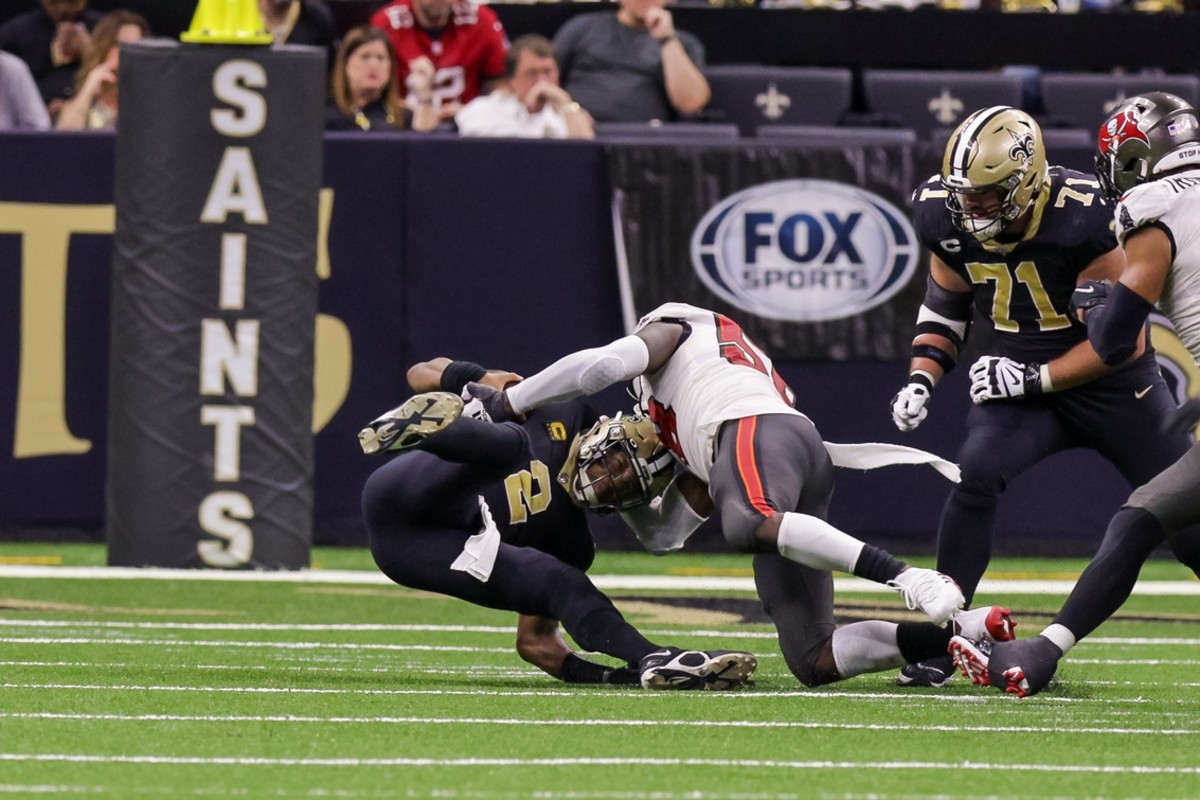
633,65
21,105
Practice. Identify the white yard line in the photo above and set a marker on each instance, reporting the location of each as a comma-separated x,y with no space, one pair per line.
249,761
606,692
615,723
1190,588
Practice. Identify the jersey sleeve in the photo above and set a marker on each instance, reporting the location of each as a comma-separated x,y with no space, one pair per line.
496,47
1141,206
931,220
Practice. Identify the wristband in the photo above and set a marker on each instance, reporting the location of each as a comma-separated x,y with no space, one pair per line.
458,374
922,378
663,42
1032,379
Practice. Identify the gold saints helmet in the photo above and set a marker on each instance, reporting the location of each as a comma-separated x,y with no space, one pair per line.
994,168
595,474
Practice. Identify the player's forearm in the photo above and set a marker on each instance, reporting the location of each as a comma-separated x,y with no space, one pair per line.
1081,364
581,373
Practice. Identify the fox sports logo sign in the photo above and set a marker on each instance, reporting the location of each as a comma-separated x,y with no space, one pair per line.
804,250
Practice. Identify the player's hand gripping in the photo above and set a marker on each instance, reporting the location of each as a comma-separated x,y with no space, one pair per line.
1000,378
494,402
1088,295
909,405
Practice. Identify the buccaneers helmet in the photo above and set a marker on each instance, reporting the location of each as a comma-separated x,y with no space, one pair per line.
618,463
1146,136
993,169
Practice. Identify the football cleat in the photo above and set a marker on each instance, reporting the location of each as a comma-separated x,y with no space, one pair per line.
930,591
1022,668
990,623
411,423
714,670
931,673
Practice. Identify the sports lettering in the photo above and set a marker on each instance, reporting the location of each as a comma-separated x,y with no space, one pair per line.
229,360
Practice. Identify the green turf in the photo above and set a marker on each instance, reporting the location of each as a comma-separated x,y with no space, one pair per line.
149,688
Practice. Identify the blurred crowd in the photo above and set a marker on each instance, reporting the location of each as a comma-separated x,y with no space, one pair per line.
425,65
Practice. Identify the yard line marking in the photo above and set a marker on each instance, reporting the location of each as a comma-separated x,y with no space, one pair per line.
589,693
278,645
424,628
619,723
603,582
250,761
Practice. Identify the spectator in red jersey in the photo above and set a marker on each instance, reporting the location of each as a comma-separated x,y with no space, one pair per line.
464,40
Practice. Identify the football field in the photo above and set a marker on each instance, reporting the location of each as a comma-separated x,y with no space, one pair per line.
334,683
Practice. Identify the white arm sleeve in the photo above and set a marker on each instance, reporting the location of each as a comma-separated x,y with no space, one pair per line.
665,523
584,372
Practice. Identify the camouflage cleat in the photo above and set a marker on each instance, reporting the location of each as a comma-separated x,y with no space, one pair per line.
409,425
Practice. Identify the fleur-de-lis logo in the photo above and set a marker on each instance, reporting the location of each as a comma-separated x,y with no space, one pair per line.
1022,147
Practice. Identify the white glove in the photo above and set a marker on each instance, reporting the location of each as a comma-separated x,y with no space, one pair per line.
1000,378
908,406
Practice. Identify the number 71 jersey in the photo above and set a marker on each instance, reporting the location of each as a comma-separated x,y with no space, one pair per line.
715,374
1023,287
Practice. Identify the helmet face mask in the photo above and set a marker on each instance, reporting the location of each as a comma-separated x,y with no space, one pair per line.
618,464
1145,137
993,170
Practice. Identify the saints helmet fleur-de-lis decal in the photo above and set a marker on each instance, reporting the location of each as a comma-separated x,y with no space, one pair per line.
1022,146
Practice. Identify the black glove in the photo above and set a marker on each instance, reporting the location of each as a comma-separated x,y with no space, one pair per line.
1182,419
494,402
1087,297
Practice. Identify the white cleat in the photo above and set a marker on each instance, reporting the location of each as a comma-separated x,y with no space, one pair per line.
986,623
930,591
712,670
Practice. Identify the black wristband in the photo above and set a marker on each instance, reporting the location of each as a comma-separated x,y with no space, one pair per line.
921,379
458,374
1032,379
667,39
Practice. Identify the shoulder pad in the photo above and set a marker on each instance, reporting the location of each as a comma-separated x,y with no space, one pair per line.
1140,206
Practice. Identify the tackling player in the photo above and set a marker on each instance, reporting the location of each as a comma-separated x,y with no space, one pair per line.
1148,162
472,510
1010,238
728,419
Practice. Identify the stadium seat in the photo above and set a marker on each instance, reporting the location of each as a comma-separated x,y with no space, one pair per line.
836,136
755,96
665,130
1084,100
925,100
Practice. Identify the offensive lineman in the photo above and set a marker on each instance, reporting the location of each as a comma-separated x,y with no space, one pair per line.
728,419
1148,162
1012,237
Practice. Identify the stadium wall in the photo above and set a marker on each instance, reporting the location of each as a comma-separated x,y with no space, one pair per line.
501,252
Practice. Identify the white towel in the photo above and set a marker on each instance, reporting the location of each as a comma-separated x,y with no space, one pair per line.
872,455
479,554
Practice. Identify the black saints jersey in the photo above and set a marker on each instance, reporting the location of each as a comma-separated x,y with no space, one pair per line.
1023,287
529,506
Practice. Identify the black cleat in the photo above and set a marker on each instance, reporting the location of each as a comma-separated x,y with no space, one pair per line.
1022,668
410,424
715,670
932,673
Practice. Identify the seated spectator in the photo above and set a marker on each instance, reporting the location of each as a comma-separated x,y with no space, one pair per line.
51,41
464,41
632,66
365,90
94,104
529,103
21,106
299,22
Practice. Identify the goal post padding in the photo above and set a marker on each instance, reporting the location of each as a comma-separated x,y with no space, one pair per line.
214,299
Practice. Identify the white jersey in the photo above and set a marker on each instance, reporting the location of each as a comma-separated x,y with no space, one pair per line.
1172,205
716,374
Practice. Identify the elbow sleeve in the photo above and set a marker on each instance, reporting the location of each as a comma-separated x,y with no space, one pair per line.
1113,329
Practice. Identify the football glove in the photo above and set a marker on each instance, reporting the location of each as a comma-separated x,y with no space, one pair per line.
908,406
1000,378
1087,297
494,402
1184,418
